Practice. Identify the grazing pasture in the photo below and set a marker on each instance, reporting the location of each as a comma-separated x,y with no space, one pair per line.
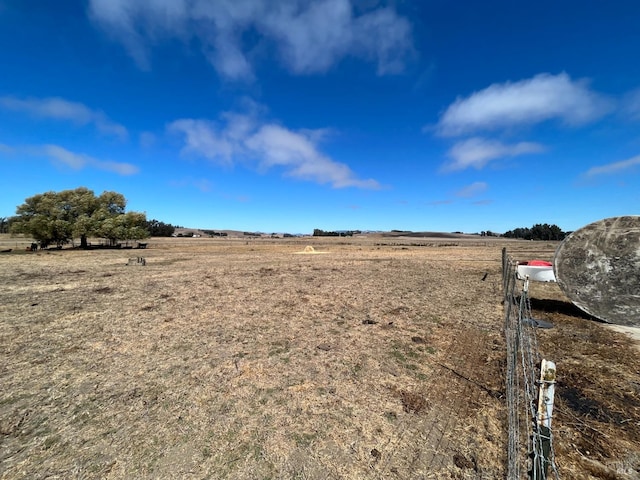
247,359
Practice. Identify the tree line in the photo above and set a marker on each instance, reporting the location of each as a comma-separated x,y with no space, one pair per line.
540,231
317,232
156,228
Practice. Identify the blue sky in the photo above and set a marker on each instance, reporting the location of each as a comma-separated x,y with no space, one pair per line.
290,115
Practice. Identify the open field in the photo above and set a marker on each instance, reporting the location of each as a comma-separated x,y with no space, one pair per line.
234,359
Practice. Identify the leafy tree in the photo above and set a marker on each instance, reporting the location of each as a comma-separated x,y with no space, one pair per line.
40,217
59,217
126,226
157,228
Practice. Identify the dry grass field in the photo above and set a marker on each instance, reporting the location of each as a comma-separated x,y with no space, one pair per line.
233,359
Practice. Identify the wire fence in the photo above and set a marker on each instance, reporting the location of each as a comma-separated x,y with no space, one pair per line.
529,385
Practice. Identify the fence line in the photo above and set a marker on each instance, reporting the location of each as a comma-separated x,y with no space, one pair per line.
529,385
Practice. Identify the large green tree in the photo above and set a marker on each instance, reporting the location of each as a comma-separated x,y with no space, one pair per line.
60,217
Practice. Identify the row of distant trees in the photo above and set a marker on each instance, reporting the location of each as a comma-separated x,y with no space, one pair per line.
156,228
58,218
540,231
343,233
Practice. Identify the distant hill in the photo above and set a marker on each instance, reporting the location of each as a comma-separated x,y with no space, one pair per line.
206,232
410,234
202,232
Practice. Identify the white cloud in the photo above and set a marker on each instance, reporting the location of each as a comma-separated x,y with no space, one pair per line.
527,102
75,161
65,157
243,138
60,109
614,168
119,17
203,138
297,153
472,190
477,152
78,161
310,36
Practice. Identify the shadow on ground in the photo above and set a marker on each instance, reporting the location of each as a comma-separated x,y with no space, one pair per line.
558,306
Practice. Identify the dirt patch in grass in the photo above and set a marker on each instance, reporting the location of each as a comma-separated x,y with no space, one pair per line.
206,363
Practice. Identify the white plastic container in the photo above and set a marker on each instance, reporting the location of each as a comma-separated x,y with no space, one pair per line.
536,272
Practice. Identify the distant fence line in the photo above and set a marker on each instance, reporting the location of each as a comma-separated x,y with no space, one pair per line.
530,382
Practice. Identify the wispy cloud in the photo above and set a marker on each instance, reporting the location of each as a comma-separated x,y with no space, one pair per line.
631,105
244,138
6,149
147,139
79,161
209,140
527,102
472,190
477,152
614,168
309,36
57,108
202,184
66,158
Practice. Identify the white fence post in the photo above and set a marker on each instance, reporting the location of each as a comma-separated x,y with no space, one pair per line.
546,392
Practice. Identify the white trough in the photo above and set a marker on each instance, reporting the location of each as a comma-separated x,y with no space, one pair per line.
536,270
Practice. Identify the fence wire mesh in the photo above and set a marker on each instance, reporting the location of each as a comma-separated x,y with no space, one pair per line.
530,451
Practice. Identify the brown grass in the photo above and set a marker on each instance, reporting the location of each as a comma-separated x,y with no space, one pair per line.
237,359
